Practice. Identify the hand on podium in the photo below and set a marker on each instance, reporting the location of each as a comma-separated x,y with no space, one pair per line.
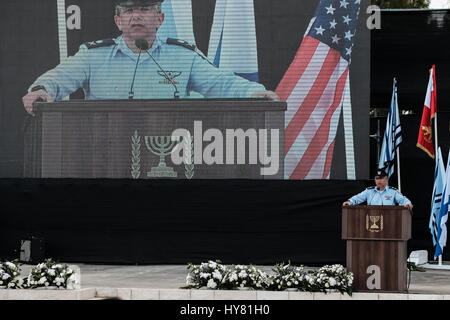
409,206
34,96
266,94
346,203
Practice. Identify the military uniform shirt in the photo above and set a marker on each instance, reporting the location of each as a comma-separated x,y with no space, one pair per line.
388,197
105,71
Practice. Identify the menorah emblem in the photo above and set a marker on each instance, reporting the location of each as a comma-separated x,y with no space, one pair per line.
374,227
161,146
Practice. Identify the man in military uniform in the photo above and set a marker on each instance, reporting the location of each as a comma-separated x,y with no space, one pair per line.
381,195
104,69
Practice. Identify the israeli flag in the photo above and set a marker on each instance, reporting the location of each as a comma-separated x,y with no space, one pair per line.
443,213
232,44
177,21
438,189
392,136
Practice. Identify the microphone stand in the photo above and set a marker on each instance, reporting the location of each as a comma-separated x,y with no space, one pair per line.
142,44
176,94
131,93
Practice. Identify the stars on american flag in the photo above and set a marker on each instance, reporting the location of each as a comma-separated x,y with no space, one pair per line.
330,9
319,30
348,35
344,4
335,24
335,39
347,20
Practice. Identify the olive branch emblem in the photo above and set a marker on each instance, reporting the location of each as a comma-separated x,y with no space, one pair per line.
135,155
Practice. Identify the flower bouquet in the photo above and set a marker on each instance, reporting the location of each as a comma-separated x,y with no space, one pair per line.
10,275
335,278
289,277
51,275
209,274
247,277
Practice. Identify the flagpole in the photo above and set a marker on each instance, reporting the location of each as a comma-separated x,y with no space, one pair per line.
399,180
398,171
436,143
435,116
436,146
439,266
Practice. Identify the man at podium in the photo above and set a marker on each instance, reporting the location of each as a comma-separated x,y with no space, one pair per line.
380,195
140,65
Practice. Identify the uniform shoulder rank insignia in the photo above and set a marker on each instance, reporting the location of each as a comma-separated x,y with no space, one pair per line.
370,188
189,46
181,43
100,43
393,188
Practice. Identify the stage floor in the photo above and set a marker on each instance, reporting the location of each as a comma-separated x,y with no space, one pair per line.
174,277
154,281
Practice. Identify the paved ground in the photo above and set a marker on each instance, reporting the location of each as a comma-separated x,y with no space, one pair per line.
174,277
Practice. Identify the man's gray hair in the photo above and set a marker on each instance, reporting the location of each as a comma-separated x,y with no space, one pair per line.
157,6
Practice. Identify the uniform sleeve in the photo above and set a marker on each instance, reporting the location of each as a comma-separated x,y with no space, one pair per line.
401,199
215,83
67,77
359,198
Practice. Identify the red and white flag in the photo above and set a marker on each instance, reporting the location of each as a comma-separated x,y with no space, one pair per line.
314,87
425,140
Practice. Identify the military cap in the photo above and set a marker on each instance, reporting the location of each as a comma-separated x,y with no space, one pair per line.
141,3
380,174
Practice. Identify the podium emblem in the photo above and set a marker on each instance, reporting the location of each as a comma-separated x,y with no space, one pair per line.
374,223
161,146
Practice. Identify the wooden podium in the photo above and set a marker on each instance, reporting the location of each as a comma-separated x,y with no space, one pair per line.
376,246
113,139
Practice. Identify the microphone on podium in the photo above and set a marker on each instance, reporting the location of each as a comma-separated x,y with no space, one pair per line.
142,45
131,93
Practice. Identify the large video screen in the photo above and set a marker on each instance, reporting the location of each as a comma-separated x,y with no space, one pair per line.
185,89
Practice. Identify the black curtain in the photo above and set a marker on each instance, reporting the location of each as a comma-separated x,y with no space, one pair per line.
165,222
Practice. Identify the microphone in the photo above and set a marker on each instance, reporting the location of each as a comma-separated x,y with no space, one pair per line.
142,45
131,93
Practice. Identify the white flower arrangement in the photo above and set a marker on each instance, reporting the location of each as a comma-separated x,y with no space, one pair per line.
241,276
10,275
335,277
214,275
209,274
288,276
51,274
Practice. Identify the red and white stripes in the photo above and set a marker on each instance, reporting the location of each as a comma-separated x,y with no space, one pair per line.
313,88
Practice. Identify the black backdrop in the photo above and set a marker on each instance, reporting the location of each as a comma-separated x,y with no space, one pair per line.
160,222
406,46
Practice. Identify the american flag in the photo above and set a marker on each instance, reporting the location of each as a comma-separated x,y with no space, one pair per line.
314,86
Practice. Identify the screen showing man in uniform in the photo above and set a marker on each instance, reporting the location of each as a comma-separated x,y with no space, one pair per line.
188,89
165,68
